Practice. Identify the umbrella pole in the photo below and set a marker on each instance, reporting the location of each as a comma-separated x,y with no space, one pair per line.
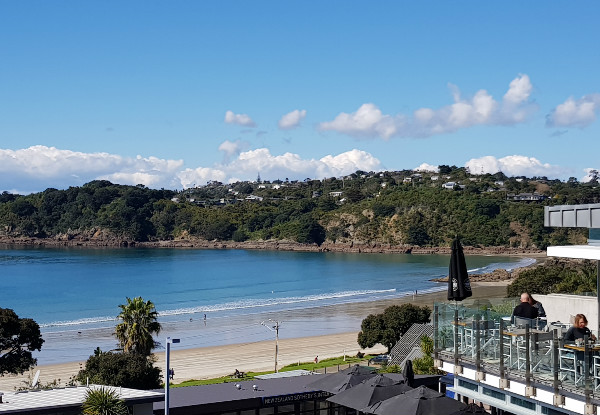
435,331
455,334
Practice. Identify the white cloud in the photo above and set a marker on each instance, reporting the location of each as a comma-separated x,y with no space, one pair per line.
518,90
367,121
291,119
200,176
37,168
271,167
515,165
239,119
481,109
232,148
575,113
348,162
427,167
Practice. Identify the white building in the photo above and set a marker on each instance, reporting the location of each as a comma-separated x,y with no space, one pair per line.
69,400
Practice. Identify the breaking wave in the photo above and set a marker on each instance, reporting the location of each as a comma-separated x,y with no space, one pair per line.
249,304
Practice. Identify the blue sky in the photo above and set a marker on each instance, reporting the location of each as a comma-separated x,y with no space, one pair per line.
173,94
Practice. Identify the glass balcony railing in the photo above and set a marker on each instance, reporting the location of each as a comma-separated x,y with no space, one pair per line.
483,336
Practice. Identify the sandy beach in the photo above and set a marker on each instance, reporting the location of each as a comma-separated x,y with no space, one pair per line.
210,362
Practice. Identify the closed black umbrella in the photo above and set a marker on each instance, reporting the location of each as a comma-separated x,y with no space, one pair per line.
459,286
342,380
376,389
408,372
419,401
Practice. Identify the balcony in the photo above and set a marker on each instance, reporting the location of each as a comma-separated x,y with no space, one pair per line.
494,357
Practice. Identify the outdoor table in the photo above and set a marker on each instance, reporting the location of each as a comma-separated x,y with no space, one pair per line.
593,348
515,334
521,332
469,328
462,324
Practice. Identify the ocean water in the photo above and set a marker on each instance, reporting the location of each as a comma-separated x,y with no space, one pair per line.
74,293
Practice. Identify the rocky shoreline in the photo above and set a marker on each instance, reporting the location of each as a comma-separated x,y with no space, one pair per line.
103,241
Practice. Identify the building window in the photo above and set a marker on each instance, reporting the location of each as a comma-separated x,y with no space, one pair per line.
522,402
494,394
307,406
468,385
552,411
286,409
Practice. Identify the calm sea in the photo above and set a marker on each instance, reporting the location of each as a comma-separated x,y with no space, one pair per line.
74,293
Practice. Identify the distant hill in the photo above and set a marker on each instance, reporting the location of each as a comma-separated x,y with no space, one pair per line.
392,209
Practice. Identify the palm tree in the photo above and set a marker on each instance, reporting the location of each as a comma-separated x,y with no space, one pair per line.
139,323
103,401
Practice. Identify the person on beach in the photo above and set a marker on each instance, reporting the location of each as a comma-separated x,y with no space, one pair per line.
316,360
172,374
525,309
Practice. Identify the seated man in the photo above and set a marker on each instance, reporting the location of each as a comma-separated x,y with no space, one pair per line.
525,310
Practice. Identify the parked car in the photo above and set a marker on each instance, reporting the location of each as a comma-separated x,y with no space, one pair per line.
381,359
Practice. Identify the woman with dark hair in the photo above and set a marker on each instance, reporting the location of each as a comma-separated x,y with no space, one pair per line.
538,305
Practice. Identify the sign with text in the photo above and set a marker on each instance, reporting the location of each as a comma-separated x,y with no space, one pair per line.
296,397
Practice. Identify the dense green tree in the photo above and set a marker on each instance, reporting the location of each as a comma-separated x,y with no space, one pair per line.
19,337
310,232
139,322
383,209
371,328
23,207
239,235
444,169
556,276
7,197
220,229
353,194
387,328
128,370
103,401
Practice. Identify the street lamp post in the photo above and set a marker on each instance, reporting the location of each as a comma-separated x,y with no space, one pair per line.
168,371
275,328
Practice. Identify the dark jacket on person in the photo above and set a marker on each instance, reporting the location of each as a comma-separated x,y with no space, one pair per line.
576,333
540,309
525,310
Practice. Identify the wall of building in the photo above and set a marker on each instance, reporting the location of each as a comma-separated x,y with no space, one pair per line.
144,409
560,307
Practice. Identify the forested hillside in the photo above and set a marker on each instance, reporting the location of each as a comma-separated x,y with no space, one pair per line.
397,208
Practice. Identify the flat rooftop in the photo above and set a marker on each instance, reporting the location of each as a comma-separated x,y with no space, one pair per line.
222,394
42,401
